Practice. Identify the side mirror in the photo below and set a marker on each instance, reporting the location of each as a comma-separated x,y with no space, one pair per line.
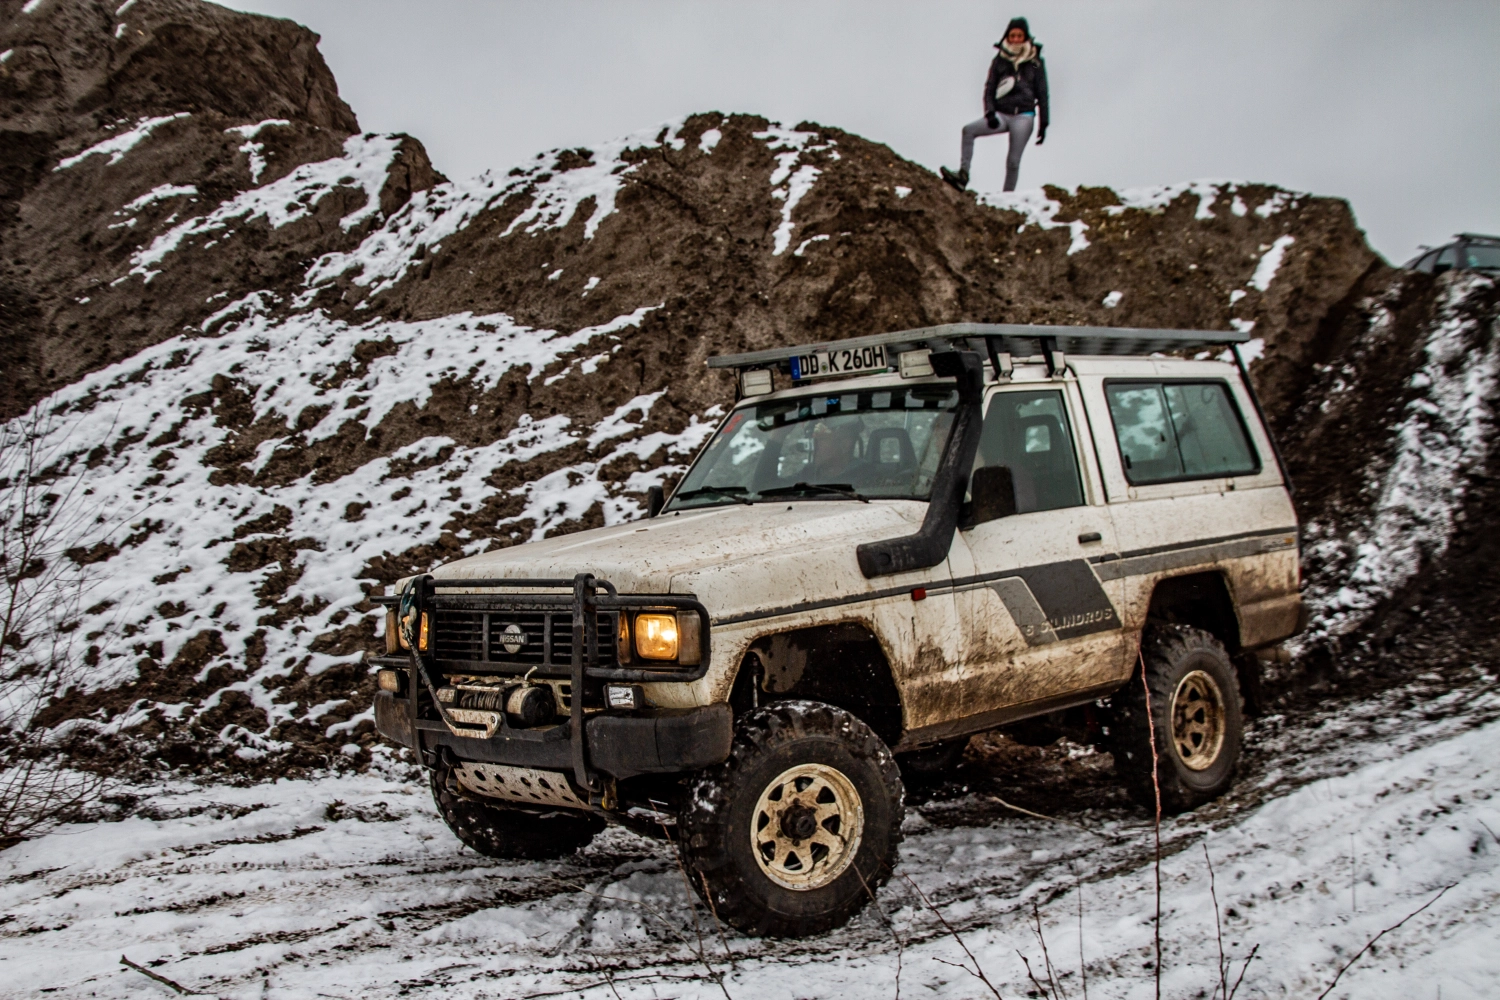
993,490
656,499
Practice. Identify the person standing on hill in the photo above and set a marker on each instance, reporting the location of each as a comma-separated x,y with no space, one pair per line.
1014,96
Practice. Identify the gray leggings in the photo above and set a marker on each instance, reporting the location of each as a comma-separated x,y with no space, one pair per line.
1019,127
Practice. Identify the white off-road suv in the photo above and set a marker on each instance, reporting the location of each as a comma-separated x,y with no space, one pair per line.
891,543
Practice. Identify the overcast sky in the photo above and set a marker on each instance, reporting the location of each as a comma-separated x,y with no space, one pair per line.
1392,105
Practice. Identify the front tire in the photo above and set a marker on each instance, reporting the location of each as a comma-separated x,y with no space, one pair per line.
794,832
498,831
1199,724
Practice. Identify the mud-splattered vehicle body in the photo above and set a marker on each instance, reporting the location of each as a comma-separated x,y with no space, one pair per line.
916,537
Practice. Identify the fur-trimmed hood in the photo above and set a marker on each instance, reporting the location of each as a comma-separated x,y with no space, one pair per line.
1028,51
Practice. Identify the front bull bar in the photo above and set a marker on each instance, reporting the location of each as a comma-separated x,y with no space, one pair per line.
420,595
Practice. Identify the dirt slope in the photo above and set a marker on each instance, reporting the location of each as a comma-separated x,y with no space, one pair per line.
295,363
77,76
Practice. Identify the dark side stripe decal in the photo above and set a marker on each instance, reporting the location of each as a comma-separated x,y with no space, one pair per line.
1062,600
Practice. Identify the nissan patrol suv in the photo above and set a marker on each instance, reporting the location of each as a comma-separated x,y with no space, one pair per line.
891,543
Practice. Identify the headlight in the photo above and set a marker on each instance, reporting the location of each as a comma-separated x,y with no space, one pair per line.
423,628
656,637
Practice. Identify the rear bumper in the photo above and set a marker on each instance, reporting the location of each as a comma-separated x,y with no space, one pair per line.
659,741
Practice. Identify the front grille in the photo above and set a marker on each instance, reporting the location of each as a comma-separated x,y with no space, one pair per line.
516,638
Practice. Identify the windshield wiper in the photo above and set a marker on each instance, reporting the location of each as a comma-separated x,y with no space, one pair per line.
728,492
842,489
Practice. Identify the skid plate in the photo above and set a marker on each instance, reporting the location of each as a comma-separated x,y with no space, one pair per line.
519,784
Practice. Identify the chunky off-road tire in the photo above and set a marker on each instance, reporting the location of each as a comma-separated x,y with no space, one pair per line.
1199,722
794,832
501,832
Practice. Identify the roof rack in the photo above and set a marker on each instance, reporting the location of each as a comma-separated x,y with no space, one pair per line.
1479,236
870,354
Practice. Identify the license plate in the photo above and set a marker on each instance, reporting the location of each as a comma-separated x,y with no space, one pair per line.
841,361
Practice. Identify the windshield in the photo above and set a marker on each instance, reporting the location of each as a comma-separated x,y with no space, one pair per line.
1482,255
825,446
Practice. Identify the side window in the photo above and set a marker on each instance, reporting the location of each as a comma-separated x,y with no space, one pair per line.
1029,432
1482,255
1171,431
1447,260
1426,262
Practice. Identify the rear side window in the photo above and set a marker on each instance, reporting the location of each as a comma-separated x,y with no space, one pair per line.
1170,431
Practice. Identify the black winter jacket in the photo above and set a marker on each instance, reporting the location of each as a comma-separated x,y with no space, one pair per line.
1029,92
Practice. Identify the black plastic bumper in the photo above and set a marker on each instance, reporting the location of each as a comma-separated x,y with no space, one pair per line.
659,741
665,741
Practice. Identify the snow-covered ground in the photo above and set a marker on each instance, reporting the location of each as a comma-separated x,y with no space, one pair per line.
1345,822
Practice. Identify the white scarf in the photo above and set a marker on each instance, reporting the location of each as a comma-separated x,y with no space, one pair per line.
1020,55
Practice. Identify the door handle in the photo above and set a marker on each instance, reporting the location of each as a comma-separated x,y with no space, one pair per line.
1090,536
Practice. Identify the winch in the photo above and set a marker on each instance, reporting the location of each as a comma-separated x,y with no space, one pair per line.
526,706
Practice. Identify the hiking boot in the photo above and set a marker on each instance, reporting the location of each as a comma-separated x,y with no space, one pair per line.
959,179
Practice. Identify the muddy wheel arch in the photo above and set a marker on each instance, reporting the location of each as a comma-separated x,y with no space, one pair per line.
1201,600
840,663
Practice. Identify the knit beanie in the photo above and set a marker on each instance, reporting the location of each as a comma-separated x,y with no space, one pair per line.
1018,22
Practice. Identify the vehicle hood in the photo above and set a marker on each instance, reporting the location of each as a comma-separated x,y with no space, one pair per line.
729,556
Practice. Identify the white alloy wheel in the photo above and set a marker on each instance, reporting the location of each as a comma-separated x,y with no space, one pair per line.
807,826
1198,720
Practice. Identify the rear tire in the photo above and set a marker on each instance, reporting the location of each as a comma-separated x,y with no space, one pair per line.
796,830
1199,723
498,831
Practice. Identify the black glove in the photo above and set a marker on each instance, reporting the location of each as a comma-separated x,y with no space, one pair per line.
1041,135
991,119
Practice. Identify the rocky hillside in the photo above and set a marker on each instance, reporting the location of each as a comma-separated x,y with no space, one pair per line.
282,363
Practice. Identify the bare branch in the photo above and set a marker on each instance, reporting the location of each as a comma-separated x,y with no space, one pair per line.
1053,819
1083,970
1156,787
1371,943
979,974
1039,987
183,990
1218,924
900,949
1036,917
687,885
709,897
1248,959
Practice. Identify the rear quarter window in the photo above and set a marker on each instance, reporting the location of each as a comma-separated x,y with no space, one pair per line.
1171,431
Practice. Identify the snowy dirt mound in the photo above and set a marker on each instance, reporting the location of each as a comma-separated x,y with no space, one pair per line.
282,363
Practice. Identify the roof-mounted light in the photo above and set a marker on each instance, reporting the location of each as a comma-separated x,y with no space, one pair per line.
755,382
916,364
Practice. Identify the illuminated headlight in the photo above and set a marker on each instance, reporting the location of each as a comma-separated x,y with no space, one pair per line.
423,627
656,637
668,637
388,680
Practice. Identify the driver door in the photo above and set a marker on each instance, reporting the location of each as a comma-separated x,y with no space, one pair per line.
1041,627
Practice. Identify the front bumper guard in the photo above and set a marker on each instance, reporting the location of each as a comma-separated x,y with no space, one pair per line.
620,746
660,741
